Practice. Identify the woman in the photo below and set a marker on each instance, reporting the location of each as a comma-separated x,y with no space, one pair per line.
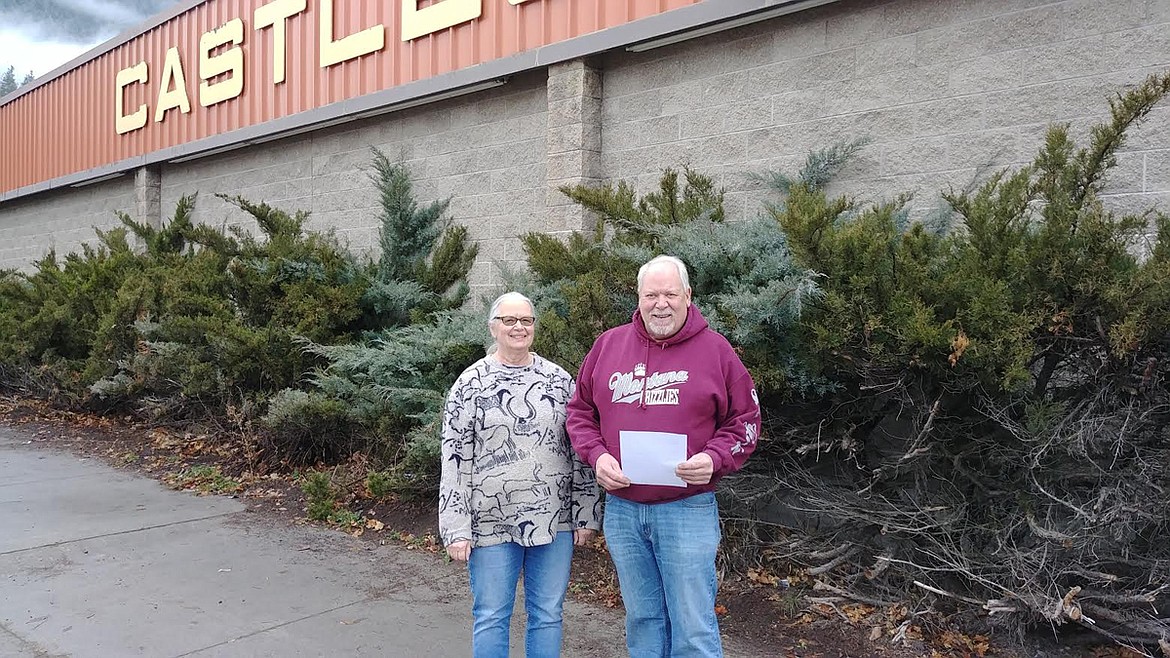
514,496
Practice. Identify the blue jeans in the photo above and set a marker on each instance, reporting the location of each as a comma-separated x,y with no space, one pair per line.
495,570
665,559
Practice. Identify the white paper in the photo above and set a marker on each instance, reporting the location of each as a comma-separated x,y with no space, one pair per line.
651,457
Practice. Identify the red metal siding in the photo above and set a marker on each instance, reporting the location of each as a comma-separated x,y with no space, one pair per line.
68,124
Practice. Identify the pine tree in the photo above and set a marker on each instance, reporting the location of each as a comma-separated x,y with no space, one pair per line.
385,393
425,259
8,81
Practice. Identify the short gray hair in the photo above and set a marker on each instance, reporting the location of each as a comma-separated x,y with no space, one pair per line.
658,260
508,297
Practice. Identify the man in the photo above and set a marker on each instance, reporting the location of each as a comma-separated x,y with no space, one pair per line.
664,384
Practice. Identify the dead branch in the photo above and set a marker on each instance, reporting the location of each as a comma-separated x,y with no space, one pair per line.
821,585
832,564
947,594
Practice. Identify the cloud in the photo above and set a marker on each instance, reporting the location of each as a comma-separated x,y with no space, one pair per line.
40,35
76,21
40,57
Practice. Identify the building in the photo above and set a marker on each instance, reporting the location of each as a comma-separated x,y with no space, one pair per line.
499,102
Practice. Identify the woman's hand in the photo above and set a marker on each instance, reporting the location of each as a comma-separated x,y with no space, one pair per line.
459,551
581,536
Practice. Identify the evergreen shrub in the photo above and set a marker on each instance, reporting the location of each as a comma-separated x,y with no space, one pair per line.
219,315
997,439
388,388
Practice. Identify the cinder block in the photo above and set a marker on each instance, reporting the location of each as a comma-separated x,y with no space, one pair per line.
510,154
1136,204
650,159
638,106
1150,133
700,122
723,89
995,34
565,111
676,98
573,164
1157,172
1085,17
655,130
480,275
1142,47
798,106
886,89
1048,102
989,149
452,164
594,84
748,115
571,137
851,23
509,202
797,35
768,143
523,177
462,206
707,152
949,115
566,80
886,55
833,65
529,102
1064,60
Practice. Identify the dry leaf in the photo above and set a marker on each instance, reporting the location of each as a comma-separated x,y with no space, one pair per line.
958,346
763,577
858,612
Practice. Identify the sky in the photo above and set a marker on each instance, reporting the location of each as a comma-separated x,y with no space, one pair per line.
40,35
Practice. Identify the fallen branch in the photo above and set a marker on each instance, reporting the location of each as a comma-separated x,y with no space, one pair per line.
831,564
952,595
821,585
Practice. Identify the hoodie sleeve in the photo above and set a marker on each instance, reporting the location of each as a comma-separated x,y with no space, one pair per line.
458,435
738,431
583,423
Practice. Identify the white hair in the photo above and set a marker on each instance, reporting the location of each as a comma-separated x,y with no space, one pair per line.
508,297
658,260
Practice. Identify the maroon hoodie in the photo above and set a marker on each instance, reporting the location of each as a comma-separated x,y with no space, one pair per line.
692,383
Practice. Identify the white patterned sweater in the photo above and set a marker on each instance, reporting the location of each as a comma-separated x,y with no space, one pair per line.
509,473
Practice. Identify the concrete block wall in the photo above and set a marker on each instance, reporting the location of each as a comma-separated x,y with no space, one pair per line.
487,152
946,90
63,220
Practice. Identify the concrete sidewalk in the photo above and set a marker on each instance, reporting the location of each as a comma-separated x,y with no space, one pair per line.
99,562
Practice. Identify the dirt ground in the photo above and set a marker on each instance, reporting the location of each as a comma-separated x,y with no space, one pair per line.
754,608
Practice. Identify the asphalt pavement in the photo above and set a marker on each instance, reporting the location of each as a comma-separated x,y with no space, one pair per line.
100,562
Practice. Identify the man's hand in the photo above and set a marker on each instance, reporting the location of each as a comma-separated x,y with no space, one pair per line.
459,551
609,473
581,536
696,470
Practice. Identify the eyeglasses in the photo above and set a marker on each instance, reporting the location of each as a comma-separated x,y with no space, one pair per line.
511,320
